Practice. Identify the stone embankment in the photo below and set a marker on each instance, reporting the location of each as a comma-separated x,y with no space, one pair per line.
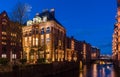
40,70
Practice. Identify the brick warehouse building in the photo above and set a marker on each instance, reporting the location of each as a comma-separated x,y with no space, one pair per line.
10,38
44,37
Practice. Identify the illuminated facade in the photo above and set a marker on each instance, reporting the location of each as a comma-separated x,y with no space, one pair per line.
84,51
10,38
44,37
79,50
95,53
116,35
71,53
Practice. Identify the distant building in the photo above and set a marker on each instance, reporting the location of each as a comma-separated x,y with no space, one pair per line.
71,53
95,53
10,38
85,51
78,50
44,37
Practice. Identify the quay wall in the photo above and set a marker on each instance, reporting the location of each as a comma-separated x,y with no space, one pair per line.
41,70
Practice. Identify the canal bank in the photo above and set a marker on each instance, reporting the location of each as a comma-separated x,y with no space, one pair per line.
41,70
92,70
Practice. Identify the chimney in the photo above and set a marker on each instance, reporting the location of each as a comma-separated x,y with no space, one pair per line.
52,11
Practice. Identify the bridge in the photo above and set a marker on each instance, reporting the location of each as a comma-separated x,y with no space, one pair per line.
103,60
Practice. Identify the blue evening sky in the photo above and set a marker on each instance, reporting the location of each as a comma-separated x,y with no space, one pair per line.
90,20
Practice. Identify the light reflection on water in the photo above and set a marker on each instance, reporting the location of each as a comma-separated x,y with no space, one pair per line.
96,70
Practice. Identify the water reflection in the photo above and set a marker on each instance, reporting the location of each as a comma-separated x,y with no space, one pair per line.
97,70
94,70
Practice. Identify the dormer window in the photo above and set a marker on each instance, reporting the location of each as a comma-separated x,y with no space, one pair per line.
37,20
44,18
29,22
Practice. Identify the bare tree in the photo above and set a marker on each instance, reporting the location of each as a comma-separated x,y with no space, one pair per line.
20,12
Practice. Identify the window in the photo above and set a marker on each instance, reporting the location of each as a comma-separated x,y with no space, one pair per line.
3,38
14,56
4,21
33,41
37,20
36,41
42,41
25,41
29,22
44,18
3,33
30,33
4,43
42,31
30,41
47,40
4,56
48,30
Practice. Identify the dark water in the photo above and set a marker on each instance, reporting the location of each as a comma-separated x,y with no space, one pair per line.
94,70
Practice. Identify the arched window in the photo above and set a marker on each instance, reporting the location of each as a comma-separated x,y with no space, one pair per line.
48,30
42,31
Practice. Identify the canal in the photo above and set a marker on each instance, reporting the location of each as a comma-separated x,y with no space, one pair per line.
94,70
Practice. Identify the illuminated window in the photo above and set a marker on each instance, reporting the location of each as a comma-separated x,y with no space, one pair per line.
15,35
72,44
4,21
32,56
3,38
25,41
30,41
14,56
44,18
29,22
59,42
36,20
33,41
30,33
42,31
42,41
11,34
47,40
36,41
48,30
4,56
3,33
47,35
42,36
4,43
